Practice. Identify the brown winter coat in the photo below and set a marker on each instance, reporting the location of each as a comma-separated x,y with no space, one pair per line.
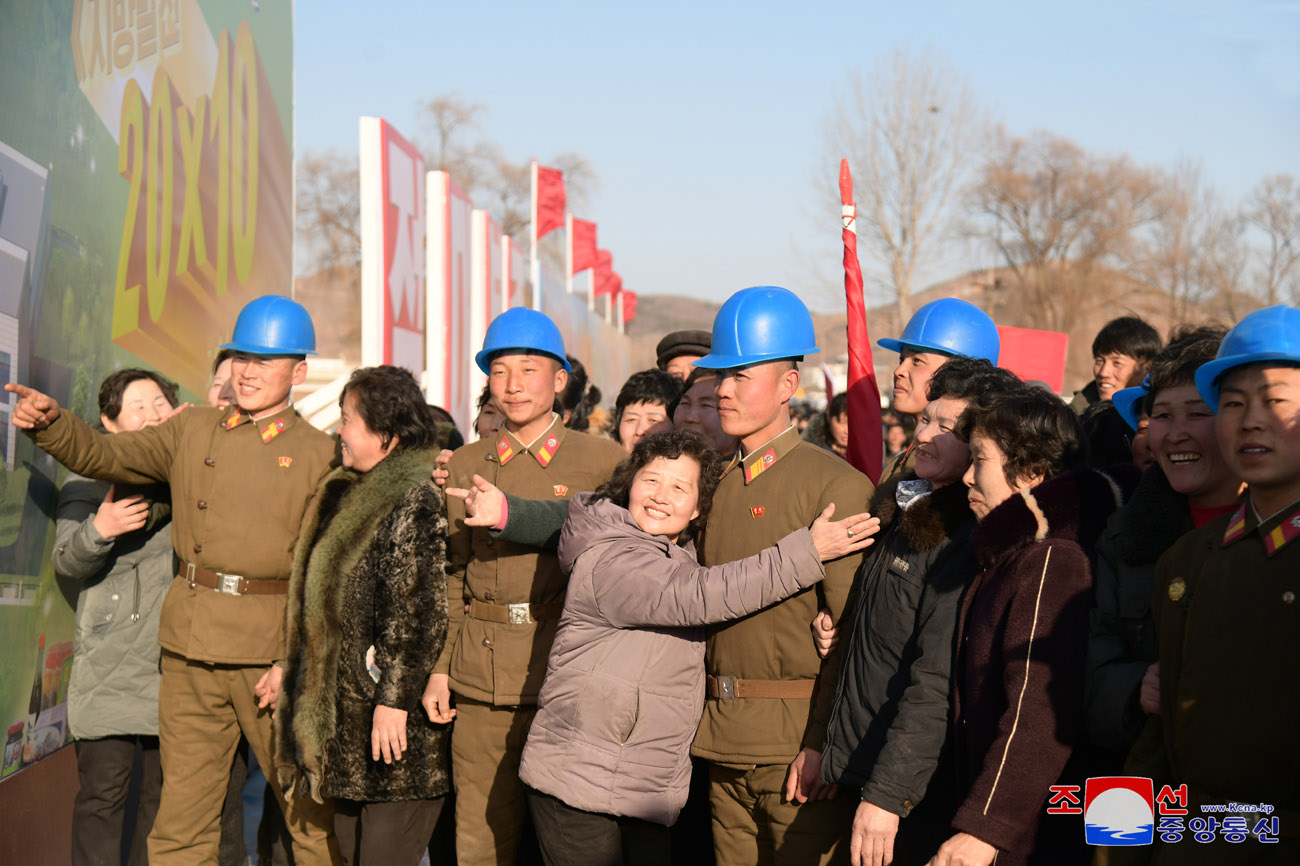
239,491
625,680
503,663
371,572
1018,688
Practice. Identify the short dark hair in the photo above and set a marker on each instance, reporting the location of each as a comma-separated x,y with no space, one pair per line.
965,378
223,355
669,444
838,405
1189,347
391,404
697,375
115,384
578,397
1127,335
648,386
1039,434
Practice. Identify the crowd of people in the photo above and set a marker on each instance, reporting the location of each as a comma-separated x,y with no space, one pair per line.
687,630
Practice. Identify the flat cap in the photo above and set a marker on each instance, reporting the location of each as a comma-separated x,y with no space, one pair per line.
683,343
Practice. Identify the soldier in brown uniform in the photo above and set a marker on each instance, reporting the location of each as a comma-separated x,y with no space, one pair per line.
937,331
241,478
769,694
496,651
1228,621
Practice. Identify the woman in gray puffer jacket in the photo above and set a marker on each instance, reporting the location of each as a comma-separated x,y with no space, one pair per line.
608,754
113,549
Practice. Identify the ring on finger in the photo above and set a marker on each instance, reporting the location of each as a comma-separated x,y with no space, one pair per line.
850,533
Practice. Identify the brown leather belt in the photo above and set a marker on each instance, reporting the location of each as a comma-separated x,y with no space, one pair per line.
731,688
514,614
231,584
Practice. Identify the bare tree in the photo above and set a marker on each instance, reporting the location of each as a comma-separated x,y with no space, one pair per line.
328,212
911,132
1273,209
1055,213
1191,249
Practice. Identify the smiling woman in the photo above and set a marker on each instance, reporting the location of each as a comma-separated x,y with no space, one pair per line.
607,754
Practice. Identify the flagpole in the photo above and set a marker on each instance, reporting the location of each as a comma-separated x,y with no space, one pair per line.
568,253
534,263
622,326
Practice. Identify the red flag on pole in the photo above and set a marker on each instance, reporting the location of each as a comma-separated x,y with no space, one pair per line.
604,271
866,440
548,208
629,304
584,245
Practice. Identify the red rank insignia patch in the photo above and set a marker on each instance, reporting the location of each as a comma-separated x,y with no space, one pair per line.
560,490
1236,526
286,462
232,421
273,430
757,511
504,451
547,451
1282,533
761,465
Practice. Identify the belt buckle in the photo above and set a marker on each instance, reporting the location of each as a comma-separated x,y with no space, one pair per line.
519,614
726,688
189,574
230,584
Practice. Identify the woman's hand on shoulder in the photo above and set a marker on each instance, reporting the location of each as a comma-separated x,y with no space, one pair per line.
440,472
485,504
834,539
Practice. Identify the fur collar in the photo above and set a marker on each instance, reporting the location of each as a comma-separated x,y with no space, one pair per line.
1073,506
338,530
1155,517
931,520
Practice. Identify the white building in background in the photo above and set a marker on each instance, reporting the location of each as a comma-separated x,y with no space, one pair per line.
24,247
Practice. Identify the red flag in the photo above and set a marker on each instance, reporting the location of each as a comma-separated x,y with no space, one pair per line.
629,305
548,208
866,440
584,245
604,271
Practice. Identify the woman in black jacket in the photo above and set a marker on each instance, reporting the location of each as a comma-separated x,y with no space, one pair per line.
889,722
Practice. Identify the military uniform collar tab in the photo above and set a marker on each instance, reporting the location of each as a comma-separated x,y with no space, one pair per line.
234,417
542,448
764,457
1280,529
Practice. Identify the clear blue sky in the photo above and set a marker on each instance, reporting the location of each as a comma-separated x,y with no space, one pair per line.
704,121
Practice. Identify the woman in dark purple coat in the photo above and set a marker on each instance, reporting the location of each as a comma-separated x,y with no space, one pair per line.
1023,629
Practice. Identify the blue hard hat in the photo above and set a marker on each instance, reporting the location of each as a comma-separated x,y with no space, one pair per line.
273,325
525,331
1270,334
761,323
1128,402
949,326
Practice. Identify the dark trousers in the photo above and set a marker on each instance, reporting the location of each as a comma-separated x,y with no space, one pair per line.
379,834
99,812
572,837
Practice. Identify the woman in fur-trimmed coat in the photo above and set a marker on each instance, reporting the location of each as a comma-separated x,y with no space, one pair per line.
367,616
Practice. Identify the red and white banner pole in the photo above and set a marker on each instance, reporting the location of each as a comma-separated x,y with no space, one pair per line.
534,263
568,252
